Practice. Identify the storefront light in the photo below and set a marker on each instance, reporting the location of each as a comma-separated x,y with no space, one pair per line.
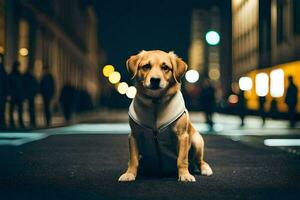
245,83
277,83
262,84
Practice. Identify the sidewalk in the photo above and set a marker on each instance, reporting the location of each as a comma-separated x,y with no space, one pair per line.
228,122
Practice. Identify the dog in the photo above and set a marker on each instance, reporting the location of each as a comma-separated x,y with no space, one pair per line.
162,137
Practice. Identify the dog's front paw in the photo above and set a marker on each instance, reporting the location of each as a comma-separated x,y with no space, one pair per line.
127,177
187,177
206,170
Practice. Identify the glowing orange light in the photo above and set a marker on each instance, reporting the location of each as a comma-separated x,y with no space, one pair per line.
108,70
233,99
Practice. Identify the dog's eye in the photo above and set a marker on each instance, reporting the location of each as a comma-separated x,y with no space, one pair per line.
165,68
146,67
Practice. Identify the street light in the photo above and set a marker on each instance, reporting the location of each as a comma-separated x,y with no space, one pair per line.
23,52
212,38
108,70
131,92
122,88
114,77
192,76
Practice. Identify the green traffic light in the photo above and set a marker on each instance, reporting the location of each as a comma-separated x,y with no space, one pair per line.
212,38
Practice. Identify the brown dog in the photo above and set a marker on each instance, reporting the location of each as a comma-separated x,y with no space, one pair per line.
162,133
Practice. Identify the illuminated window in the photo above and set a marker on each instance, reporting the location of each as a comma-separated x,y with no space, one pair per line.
277,83
262,84
245,83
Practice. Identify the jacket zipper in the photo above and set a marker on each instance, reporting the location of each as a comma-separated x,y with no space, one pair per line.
158,153
155,134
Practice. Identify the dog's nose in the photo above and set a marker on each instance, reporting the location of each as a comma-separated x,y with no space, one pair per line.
155,82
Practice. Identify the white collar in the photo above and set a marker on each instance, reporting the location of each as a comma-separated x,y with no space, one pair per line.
156,115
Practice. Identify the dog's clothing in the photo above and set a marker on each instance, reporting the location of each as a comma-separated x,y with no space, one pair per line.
152,124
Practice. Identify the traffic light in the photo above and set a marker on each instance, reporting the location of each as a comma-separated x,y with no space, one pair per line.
212,38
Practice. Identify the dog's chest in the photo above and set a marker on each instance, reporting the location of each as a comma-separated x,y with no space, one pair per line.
153,129
157,115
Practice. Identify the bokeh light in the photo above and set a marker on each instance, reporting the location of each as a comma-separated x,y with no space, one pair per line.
1,49
233,99
214,74
108,70
114,77
277,83
23,51
245,83
122,88
192,76
131,92
262,84
212,37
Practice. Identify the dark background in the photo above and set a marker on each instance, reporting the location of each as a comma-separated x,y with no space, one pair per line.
127,27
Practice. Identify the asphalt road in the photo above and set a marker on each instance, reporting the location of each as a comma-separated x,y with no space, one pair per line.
87,166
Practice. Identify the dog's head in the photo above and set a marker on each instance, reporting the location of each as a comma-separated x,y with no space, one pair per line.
156,71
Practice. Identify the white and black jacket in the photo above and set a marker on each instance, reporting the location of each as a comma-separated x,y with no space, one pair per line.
152,123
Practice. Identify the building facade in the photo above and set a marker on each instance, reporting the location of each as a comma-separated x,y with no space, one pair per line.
203,57
53,35
266,40
212,61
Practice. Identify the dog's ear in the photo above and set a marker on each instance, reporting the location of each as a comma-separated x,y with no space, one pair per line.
179,66
132,63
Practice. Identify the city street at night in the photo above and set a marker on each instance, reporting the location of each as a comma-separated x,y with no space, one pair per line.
84,161
102,100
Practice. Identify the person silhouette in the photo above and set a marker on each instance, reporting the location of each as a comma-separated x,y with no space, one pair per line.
47,90
16,94
291,99
274,108
68,99
262,113
241,107
30,92
3,92
208,101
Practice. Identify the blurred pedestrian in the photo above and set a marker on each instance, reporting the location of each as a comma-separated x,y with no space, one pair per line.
241,107
47,90
3,92
291,99
30,92
262,113
16,94
68,100
274,109
208,101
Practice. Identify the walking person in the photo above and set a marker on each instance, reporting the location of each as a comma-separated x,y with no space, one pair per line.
3,93
30,92
241,107
16,94
208,101
291,99
67,101
262,112
47,90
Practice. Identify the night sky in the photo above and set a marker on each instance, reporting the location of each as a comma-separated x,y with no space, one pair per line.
126,27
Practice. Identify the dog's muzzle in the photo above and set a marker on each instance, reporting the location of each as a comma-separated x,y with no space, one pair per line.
155,83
